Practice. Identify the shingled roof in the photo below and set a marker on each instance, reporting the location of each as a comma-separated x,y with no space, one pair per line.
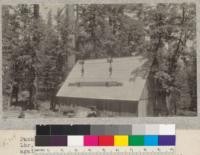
126,82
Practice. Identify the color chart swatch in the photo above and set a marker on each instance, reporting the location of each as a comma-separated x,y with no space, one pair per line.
106,135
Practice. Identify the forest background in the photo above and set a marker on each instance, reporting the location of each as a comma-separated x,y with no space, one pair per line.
39,46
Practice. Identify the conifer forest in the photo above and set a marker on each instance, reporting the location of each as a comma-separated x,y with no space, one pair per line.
41,43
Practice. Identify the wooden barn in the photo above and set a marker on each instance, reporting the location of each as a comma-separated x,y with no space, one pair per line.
119,84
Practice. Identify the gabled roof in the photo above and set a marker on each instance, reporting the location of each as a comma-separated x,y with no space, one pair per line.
126,82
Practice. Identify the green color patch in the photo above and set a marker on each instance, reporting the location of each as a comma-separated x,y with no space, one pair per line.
137,140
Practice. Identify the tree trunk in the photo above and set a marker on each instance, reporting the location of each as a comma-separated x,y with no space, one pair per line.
174,59
36,10
71,55
35,83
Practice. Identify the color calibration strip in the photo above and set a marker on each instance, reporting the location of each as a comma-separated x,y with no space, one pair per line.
106,135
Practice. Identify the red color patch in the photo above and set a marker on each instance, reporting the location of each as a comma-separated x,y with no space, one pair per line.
106,140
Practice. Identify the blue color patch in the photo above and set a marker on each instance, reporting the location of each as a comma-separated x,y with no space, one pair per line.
150,140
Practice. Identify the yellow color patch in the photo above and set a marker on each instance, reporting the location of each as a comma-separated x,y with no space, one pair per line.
121,140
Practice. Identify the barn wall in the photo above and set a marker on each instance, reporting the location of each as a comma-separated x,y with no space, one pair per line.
122,107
